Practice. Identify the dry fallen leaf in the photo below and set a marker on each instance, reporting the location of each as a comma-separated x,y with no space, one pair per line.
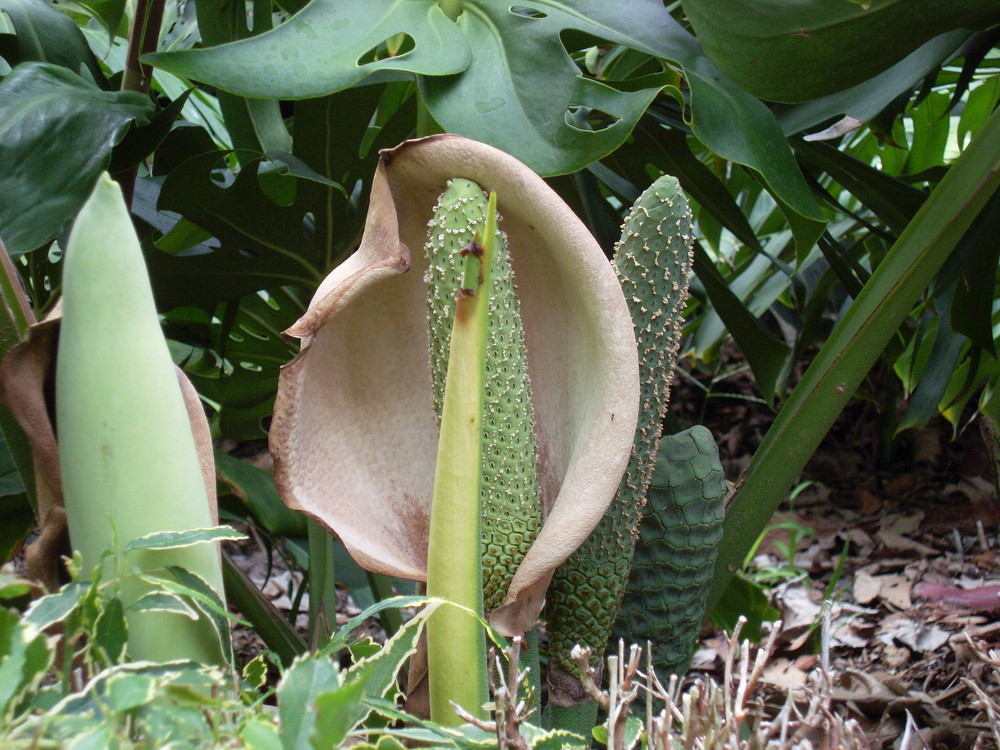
919,636
893,589
784,673
895,541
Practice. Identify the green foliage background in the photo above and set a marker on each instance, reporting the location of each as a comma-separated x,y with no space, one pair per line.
844,183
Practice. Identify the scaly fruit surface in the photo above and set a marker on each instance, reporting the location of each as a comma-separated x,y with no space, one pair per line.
511,509
674,557
653,260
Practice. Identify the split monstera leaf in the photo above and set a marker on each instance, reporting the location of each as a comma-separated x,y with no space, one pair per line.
355,433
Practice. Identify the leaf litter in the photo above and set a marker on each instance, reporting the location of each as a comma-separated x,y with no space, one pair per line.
912,615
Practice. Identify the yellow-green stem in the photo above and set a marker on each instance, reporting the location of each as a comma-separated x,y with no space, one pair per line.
456,646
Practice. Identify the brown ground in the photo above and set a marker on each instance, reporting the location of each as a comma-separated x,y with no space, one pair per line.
920,522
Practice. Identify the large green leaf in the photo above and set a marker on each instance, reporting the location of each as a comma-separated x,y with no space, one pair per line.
522,92
325,48
522,85
522,82
740,128
56,135
866,100
45,34
791,51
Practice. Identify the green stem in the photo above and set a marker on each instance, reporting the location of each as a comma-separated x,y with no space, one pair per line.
531,660
381,587
322,586
456,644
142,39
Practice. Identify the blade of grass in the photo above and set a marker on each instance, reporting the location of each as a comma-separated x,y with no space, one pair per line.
276,632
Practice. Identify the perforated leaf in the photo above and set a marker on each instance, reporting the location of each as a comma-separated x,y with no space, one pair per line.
327,47
517,86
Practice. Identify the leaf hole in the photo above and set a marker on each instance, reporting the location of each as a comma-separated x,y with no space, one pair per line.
269,300
256,333
309,224
585,118
526,12
223,177
396,45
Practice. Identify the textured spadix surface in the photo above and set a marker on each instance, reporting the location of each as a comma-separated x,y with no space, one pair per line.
354,434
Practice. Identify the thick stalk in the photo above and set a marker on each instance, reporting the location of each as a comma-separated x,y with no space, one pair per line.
143,38
456,644
322,586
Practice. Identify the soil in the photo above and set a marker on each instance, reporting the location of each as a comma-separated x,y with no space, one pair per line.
899,535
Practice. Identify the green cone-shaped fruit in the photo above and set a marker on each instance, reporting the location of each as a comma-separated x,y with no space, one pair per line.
674,557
